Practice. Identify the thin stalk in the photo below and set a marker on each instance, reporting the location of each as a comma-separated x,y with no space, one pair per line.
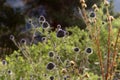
97,42
114,56
109,41
100,57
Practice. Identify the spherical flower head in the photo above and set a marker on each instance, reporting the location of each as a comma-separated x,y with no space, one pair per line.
92,14
110,18
94,6
82,1
72,63
65,78
23,41
106,3
103,22
61,33
76,49
84,5
64,71
51,78
12,37
9,72
51,54
42,19
88,50
45,75
30,21
43,39
4,62
50,66
58,26
58,57
45,25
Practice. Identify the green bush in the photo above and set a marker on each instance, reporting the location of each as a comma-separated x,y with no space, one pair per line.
69,54
31,61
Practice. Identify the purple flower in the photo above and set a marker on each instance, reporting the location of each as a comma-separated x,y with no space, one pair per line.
50,66
61,33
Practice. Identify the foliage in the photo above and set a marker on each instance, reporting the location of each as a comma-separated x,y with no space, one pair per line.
31,61
70,53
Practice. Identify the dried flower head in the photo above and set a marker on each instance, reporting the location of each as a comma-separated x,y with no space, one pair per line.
45,75
76,49
64,71
4,62
50,66
112,44
51,53
84,5
12,37
106,3
30,21
110,18
51,78
23,41
72,63
92,14
43,39
9,72
94,6
88,50
45,25
58,57
42,19
61,33
103,22
59,26
82,1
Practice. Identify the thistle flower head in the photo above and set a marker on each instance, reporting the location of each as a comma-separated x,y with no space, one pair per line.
59,26
84,5
94,6
45,25
42,19
72,63
110,18
43,39
12,37
9,72
76,49
50,66
51,54
23,41
61,33
92,14
51,78
88,50
82,1
64,71
30,21
106,3
4,62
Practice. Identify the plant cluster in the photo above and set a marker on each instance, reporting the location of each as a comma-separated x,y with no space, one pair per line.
67,54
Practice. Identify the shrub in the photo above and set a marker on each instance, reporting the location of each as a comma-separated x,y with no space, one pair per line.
88,54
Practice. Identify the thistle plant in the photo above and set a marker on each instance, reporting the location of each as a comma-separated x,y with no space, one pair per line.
66,54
